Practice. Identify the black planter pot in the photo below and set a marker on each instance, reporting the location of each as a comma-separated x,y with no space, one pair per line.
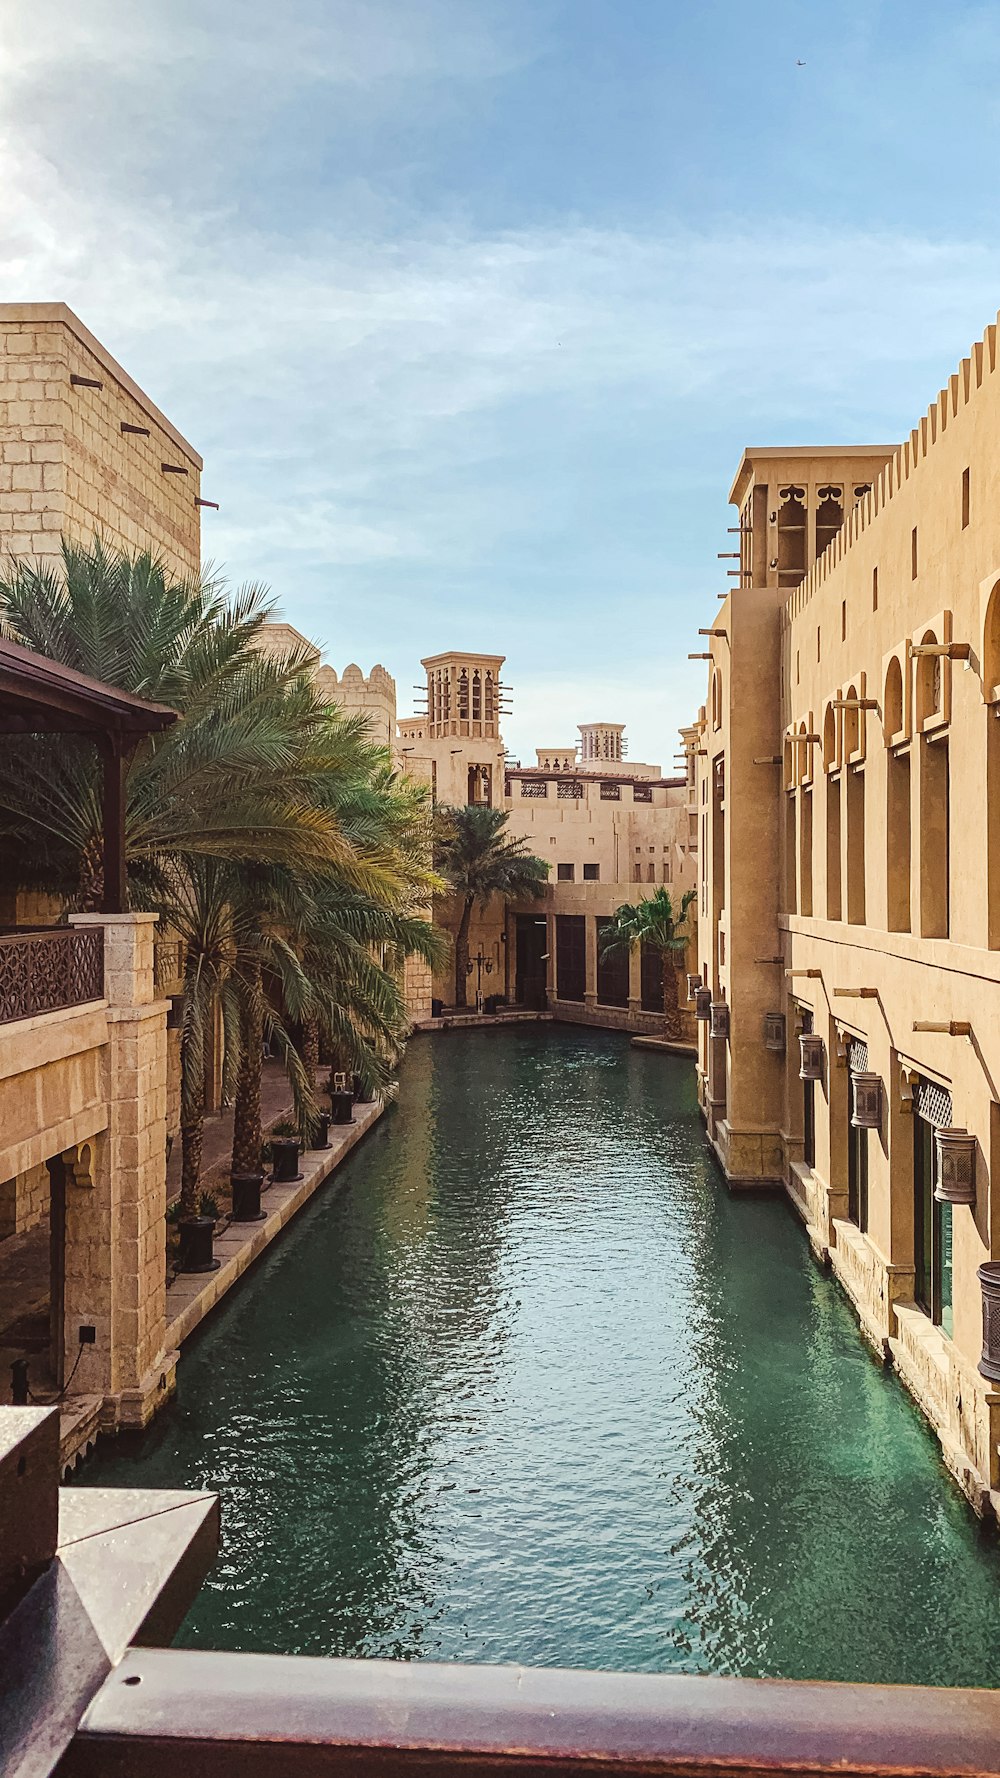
361,1094
196,1245
246,1197
285,1160
322,1130
342,1108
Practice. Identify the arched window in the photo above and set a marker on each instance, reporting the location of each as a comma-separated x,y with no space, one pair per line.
463,696
490,700
791,536
852,724
829,517
991,648
830,760
477,697
892,702
928,681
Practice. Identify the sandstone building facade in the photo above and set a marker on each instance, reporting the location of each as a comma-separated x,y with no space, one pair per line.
847,774
85,1094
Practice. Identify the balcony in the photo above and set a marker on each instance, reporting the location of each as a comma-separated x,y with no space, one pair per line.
49,968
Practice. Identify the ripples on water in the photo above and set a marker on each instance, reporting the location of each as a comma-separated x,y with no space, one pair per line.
533,1387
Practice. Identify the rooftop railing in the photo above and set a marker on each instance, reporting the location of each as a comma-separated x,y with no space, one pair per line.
48,969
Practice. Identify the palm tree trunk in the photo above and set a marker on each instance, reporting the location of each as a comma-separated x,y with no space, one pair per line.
462,951
247,1132
192,1132
671,1013
310,1045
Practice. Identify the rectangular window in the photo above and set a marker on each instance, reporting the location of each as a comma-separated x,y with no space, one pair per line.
808,1106
857,1177
651,970
913,553
843,620
565,873
591,873
642,793
874,589
965,498
611,793
932,1233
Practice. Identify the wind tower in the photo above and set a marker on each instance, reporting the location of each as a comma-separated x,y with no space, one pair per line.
462,702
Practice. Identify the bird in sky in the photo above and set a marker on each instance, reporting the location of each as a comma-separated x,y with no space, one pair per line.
800,64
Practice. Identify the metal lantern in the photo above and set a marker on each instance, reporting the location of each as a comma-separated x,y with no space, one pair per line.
989,1283
867,1109
774,1030
811,1049
956,1167
694,983
703,1003
719,1014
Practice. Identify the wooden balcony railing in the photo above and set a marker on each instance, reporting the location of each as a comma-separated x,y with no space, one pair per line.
45,970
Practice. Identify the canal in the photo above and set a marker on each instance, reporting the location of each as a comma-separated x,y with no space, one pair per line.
531,1386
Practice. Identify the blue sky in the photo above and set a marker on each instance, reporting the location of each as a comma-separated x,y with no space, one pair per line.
472,307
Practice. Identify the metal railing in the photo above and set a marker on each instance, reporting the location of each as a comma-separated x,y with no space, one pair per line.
260,1716
44,971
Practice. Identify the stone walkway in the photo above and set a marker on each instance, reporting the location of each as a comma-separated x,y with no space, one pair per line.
191,1296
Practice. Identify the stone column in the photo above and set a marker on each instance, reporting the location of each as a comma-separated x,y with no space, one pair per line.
590,944
116,1193
634,980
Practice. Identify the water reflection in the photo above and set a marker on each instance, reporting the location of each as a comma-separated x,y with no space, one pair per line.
534,1387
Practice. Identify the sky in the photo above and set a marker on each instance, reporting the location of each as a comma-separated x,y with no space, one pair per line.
471,306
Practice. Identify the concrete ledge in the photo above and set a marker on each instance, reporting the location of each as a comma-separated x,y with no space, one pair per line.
192,1296
461,1021
667,1045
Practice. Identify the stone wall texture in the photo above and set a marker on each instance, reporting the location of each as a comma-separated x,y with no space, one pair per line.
66,466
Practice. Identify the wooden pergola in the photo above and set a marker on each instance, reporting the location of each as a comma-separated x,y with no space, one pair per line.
40,697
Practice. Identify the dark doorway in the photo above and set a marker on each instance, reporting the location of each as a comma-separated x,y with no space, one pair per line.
651,961
529,978
57,1265
571,956
612,970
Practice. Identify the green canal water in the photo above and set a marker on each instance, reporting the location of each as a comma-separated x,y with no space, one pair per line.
531,1386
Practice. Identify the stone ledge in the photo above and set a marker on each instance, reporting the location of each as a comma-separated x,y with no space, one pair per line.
192,1296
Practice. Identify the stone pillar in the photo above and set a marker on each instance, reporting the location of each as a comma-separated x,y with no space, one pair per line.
550,967
634,980
116,1194
590,944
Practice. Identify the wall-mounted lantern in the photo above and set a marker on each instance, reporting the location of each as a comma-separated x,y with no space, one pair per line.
956,1167
703,1003
774,1030
719,1014
694,983
989,1284
867,1094
812,1049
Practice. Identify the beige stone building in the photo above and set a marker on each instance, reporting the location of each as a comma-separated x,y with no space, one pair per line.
847,779
84,450
603,824
85,1094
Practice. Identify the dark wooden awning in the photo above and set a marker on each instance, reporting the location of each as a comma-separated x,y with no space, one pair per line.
40,697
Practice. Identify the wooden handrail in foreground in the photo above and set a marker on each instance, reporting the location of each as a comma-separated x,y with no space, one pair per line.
165,1713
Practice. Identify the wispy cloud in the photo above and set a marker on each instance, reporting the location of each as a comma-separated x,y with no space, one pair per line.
423,431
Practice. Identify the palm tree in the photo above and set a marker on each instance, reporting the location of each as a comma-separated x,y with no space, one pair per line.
653,922
236,779
241,782
480,861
